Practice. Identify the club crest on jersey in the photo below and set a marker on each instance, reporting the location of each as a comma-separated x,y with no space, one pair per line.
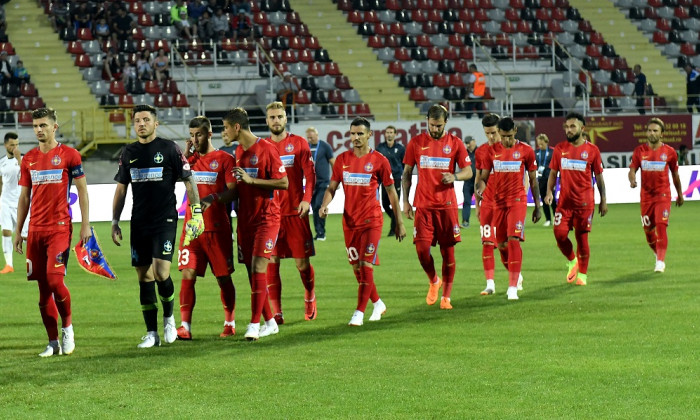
269,244
516,155
60,258
519,227
665,214
370,249
584,155
254,160
369,167
456,230
663,156
590,219
158,157
447,149
56,160
167,247
289,148
214,165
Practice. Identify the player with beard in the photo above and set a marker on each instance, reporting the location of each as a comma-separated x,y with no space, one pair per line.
436,216
295,239
578,161
655,159
212,170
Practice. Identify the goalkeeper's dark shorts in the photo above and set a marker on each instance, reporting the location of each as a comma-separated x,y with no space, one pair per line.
154,242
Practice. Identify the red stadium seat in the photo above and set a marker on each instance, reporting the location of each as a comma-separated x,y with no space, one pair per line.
402,54
18,104
83,61
316,69
332,69
28,90
595,104
606,63
302,98
161,101
126,101
116,87
342,82
84,34
75,47
614,90
180,101
117,116
25,118
396,68
144,20
36,103
440,80
152,87
375,41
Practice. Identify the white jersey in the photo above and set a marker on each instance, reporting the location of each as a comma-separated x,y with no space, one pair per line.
9,169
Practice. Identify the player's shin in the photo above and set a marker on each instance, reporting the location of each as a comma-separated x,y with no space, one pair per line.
515,262
188,298
149,305
228,298
652,239
274,287
425,259
365,287
561,234
258,296
48,310
166,292
448,269
583,251
661,242
62,298
487,260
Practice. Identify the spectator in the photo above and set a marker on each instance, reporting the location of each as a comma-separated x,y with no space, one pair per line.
144,66
476,88
111,67
82,17
102,31
242,26
5,69
468,186
640,88
179,18
59,15
161,66
122,25
286,88
20,74
683,155
204,27
692,88
220,24
240,5
195,10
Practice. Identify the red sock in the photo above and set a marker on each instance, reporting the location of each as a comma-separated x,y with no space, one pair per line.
365,287
425,259
583,251
274,286
448,269
373,296
652,239
258,297
515,263
48,310
228,297
661,242
504,256
61,297
487,260
188,298
308,279
563,242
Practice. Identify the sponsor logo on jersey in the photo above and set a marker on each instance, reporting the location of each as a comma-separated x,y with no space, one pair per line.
369,167
584,155
447,149
519,226
653,166
146,174
289,148
253,172
158,158
287,160
506,166
430,162
56,160
214,165
48,176
360,180
573,164
205,177
253,159
167,247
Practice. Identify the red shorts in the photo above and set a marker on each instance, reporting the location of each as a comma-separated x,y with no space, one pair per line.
439,226
47,253
256,241
362,245
295,239
655,213
579,219
486,224
509,221
213,247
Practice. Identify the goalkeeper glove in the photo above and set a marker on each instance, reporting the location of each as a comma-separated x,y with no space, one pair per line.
194,226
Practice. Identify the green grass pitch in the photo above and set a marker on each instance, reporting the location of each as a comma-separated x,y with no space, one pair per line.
625,346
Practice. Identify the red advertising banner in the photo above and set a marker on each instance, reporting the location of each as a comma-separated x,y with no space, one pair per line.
621,134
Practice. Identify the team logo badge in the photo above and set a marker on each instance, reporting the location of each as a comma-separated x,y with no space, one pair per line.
584,155
516,155
158,158
269,244
456,230
518,227
663,156
368,167
254,160
370,249
447,149
168,247
56,160
60,258
665,214
214,165
289,148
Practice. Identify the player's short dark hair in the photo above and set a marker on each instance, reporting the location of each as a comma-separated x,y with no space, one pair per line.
506,124
437,111
490,120
361,121
658,122
237,116
576,116
10,135
200,121
146,108
49,113
390,127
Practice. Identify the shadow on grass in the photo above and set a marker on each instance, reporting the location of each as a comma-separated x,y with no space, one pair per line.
635,277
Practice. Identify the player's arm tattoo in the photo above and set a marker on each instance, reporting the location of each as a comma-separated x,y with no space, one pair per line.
191,188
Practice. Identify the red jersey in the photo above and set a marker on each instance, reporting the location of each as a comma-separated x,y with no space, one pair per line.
296,158
509,169
361,178
435,157
212,172
50,175
655,165
257,206
480,155
576,166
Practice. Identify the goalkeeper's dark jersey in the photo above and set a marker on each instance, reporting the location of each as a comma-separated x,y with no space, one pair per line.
152,169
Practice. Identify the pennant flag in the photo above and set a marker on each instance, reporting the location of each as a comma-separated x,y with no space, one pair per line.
91,258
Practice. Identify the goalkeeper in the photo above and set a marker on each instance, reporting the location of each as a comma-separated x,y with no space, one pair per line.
152,165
